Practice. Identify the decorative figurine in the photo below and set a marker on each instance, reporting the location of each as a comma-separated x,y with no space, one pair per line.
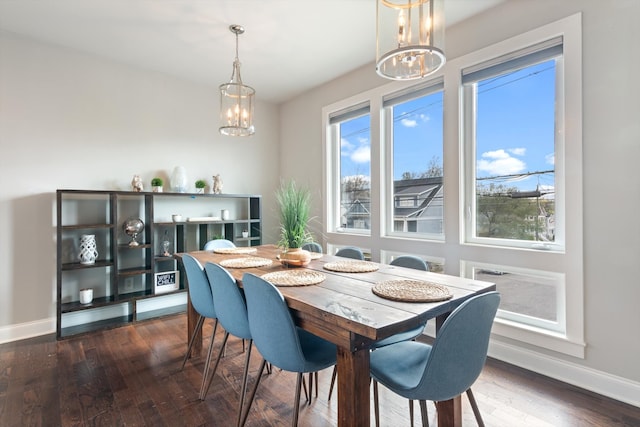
133,227
136,184
217,184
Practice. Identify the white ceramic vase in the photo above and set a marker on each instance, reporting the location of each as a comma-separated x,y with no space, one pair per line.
88,252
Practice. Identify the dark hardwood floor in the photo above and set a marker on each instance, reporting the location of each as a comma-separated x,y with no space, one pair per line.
130,376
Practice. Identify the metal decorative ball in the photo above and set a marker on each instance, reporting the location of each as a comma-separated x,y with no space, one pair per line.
133,227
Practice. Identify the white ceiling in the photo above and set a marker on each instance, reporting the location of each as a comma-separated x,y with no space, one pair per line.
289,46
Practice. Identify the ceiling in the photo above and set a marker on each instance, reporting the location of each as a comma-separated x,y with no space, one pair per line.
289,46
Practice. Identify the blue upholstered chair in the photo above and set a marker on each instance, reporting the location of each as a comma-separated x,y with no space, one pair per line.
279,340
441,371
351,252
231,309
218,244
312,247
202,301
410,261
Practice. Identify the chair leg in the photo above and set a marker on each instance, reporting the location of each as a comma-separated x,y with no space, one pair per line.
247,407
206,383
304,387
207,364
245,377
197,329
296,406
474,406
423,413
333,381
376,407
411,411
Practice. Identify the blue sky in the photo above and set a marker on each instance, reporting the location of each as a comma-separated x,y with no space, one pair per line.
515,131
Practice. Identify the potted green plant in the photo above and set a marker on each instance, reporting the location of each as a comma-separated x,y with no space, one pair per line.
200,185
295,210
156,185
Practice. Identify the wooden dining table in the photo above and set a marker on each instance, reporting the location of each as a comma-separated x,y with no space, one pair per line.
343,310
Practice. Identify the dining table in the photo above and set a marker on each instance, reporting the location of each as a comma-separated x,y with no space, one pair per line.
347,308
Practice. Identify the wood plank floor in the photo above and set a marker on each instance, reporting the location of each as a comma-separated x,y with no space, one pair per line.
130,376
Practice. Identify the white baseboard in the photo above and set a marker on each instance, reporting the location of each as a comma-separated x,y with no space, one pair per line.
612,386
26,330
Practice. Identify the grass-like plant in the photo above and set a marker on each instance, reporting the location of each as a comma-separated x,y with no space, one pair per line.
295,210
200,183
156,182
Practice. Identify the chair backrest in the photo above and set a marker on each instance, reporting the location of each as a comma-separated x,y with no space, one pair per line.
312,247
460,349
410,261
351,252
272,328
218,244
231,307
199,289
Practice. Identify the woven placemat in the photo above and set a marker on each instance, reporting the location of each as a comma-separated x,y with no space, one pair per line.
235,250
294,277
411,291
352,266
316,255
247,262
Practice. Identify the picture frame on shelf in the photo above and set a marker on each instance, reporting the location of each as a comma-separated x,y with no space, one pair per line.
166,281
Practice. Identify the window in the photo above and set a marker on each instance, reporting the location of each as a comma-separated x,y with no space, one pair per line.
502,127
512,137
414,119
352,130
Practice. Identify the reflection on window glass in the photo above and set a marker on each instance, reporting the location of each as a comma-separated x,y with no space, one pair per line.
527,295
417,165
515,146
355,173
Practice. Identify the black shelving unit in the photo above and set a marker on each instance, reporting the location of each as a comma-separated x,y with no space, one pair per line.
123,276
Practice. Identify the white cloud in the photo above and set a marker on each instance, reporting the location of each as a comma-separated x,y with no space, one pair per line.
550,159
409,123
345,145
518,151
499,162
361,154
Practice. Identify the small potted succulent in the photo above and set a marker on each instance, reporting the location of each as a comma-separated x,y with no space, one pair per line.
200,185
156,185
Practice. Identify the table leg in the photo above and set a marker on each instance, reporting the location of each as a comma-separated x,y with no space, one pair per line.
450,412
192,319
353,388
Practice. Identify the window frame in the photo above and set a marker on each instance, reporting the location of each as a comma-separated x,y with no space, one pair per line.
457,252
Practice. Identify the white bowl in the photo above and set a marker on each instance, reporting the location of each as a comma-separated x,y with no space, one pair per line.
176,218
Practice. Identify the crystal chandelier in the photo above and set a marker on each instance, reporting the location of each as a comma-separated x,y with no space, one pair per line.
236,100
409,38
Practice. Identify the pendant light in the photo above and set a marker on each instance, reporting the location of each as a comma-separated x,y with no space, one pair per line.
236,100
409,38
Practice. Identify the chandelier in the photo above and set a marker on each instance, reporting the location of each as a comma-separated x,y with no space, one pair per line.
409,38
236,100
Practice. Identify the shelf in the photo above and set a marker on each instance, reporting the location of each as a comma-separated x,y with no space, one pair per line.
176,309
134,271
96,326
86,227
70,307
78,266
139,246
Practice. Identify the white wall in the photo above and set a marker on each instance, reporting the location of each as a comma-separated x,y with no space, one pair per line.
71,120
611,149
